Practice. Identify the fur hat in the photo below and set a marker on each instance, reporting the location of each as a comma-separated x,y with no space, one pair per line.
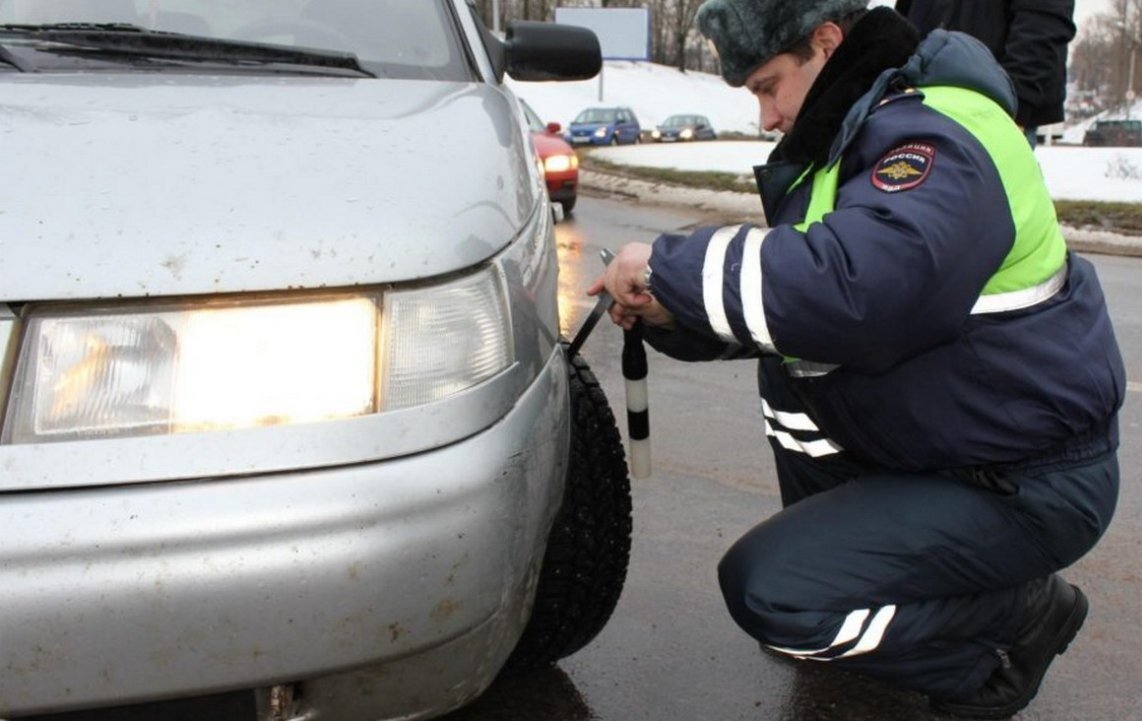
747,33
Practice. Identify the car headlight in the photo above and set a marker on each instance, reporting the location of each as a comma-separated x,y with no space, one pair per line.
560,163
442,339
655,134
205,366
686,134
601,133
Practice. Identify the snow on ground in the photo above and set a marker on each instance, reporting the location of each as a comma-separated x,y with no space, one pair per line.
653,91
656,91
1071,172
1078,173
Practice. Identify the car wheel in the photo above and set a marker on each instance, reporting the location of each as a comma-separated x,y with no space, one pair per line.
568,204
585,565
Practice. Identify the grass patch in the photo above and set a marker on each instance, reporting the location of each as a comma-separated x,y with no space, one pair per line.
1112,216
1116,217
708,180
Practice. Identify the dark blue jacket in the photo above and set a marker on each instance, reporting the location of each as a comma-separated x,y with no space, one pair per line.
878,296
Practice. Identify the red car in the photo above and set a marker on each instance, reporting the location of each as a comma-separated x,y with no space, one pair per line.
558,160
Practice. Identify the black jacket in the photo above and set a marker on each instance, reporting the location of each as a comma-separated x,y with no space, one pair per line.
1028,37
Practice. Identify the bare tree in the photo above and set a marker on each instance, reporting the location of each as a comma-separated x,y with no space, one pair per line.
1105,62
682,24
673,37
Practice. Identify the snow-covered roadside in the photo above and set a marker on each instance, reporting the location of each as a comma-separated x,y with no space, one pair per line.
720,207
654,92
1071,172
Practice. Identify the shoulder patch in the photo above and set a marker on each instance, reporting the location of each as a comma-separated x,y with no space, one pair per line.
904,167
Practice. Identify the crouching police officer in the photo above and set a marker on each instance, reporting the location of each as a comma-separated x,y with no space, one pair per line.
939,376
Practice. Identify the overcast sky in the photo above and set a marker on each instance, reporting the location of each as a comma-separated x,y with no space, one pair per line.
1083,8
1086,8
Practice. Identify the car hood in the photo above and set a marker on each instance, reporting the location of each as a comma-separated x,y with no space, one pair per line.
139,185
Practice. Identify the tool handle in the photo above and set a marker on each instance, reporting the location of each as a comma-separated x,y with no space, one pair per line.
638,410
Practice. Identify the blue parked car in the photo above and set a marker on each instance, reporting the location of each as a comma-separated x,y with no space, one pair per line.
604,126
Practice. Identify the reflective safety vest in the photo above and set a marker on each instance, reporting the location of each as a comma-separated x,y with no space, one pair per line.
1035,268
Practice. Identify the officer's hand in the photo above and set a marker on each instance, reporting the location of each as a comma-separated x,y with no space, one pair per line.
624,279
653,313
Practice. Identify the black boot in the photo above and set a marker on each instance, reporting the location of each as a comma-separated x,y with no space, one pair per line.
1055,611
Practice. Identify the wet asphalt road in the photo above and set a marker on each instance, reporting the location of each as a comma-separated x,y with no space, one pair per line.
671,653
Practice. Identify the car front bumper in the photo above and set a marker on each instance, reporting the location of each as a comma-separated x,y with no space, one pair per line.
391,589
563,188
591,139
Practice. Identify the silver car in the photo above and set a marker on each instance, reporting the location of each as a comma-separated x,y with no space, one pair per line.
286,409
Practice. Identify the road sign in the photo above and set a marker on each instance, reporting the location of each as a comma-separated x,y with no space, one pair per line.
624,33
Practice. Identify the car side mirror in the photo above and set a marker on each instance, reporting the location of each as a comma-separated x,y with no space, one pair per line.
547,51
554,128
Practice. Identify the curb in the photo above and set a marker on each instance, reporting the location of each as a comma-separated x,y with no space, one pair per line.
728,207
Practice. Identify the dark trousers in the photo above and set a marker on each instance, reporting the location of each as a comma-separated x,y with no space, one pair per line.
913,578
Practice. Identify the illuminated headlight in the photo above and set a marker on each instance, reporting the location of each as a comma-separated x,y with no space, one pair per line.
179,368
686,134
601,133
560,163
656,134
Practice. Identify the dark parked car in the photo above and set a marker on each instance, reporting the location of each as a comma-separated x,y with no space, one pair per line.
1114,133
605,126
557,159
684,127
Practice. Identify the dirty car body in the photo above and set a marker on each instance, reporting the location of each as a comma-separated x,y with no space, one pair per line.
284,397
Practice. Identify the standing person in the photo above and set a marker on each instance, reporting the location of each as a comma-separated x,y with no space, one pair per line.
1028,37
939,377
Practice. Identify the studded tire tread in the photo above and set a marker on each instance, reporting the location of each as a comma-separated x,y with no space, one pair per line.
588,550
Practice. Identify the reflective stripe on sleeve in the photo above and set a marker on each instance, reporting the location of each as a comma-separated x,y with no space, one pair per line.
1018,299
712,282
753,307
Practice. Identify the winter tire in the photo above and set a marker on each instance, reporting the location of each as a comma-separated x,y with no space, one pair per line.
585,565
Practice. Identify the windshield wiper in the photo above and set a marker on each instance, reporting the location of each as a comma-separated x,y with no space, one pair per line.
135,41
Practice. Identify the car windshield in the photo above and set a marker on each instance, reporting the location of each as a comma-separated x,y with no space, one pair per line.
391,38
678,121
533,122
596,115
